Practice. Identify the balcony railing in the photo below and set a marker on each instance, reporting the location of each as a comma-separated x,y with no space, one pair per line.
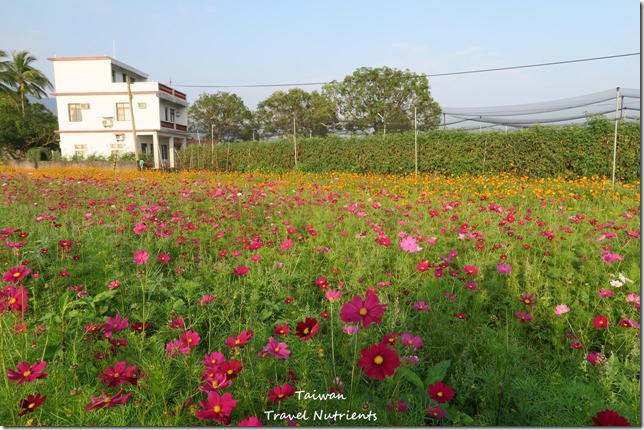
173,126
172,92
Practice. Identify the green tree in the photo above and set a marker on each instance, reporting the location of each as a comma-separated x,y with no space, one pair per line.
310,114
20,76
382,100
222,115
19,133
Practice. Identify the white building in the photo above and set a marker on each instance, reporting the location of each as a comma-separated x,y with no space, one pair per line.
94,111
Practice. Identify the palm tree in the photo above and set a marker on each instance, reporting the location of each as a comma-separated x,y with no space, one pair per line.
19,75
4,87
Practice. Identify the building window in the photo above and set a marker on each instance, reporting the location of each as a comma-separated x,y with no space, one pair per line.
124,77
171,115
75,114
122,112
164,152
113,76
80,150
166,114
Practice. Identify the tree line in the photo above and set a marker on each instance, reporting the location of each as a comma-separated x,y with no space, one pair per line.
369,101
24,126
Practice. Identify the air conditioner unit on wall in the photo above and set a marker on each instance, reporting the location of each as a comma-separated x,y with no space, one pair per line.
84,106
108,122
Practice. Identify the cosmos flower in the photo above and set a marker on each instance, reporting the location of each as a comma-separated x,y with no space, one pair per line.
26,373
378,361
440,392
367,311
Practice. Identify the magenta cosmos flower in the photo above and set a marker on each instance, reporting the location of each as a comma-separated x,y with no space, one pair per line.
15,274
26,373
241,339
439,392
250,422
600,321
119,374
378,361
411,341
31,403
241,270
281,392
109,401
190,339
503,268
216,407
369,310
276,348
140,257
306,329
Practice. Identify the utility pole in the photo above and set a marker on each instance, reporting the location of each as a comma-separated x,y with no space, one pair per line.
136,144
295,142
615,137
416,142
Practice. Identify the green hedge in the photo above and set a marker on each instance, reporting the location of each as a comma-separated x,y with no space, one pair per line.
569,151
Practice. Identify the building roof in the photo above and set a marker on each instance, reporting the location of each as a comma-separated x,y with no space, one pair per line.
103,57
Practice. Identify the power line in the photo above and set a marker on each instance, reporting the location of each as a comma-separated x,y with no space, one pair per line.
302,84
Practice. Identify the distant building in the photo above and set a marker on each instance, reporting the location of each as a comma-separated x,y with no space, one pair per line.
94,111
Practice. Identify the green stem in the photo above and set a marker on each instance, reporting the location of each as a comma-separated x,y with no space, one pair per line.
335,375
355,358
4,370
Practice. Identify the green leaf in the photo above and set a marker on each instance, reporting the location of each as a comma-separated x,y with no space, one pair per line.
438,372
412,377
103,296
265,314
52,351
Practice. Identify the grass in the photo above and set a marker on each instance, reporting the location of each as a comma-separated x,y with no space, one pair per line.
76,232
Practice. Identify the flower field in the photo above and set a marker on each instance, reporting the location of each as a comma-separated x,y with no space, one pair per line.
194,298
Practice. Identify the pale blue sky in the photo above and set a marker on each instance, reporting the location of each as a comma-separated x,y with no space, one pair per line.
245,42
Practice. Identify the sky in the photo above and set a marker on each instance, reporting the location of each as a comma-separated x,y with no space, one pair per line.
191,44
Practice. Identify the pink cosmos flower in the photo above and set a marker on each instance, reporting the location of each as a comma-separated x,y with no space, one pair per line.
114,324
175,347
26,373
240,270
470,270
215,381
241,339
190,339
216,407
207,298
114,285
561,309
15,299
15,274
333,295
523,317
435,412
421,306
605,293
596,358
609,257
287,244
163,258
350,329
369,310
213,360
250,422
503,268
176,323
140,227
411,341
276,348
140,257
119,374
408,244
109,401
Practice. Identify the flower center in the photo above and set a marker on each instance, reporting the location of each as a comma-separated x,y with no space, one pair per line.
217,409
277,349
31,406
237,341
117,374
16,274
306,330
280,395
26,373
378,359
439,394
107,399
363,311
12,300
